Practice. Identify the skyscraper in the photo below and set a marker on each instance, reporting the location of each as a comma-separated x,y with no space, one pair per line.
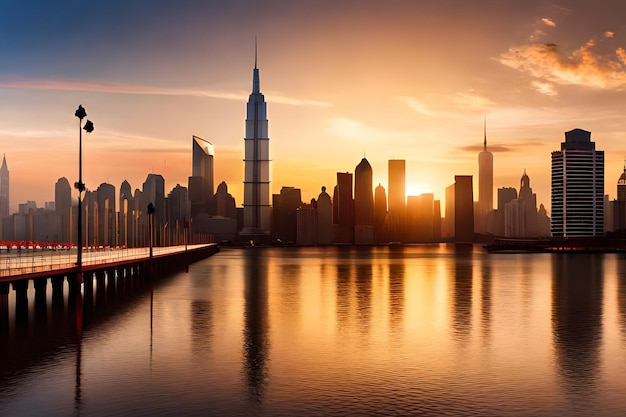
397,200
202,165
485,185
463,209
256,185
577,187
4,189
63,206
363,204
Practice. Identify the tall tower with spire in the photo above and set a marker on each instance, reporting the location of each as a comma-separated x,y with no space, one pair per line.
485,185
4,188
256,185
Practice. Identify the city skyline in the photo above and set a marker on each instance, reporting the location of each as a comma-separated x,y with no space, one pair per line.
392,81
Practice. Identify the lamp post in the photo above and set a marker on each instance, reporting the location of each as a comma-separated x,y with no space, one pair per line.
80,186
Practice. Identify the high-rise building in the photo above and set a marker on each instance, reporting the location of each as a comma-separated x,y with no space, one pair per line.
256,186
324,218
202,164
284,214
4,191
463,209
397,199
380,213
485,185
153,192
63,206
106,232
177,207
125,218
363,204
343,209
617,216
577,187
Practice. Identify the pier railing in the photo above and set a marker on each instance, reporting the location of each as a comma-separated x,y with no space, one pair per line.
28,261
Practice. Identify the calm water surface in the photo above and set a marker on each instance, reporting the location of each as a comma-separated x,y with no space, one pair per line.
414,330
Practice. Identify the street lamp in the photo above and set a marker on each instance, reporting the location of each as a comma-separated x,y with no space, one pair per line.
80,186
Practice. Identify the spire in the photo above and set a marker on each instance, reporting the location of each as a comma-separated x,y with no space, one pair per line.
256,84
4,162
485,132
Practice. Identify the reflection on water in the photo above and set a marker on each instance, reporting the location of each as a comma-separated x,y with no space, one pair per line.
577,323
463,286
256,343
409,330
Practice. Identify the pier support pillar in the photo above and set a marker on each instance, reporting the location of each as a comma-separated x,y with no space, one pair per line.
4,305
21,300
41,287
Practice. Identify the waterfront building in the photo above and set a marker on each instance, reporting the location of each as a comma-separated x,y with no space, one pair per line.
485,185
380,213
324,218
437,224
201,181
616,217
153,192
106,230
256,199
306,220
343,209
63,206
397,200
448,224
225,202
363,204
178,212
125,218
4,192
577,187
463,209
284,216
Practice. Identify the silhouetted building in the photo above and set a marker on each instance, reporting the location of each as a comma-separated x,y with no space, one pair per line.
448,227
380,213
63,206
463,208
617,209
577,187
153,192
284,216
178,214
125,217
437,221
420,217
324,218
485,185
225,202
363,204
505,195
343,209
4,192
306,216
106,230
256,193
397,200
201,180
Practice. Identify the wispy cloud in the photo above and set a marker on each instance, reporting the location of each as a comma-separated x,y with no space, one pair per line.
122,88
548,22
415,105
471,100
583,66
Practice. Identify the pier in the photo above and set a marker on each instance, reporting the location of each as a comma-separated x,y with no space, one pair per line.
104,267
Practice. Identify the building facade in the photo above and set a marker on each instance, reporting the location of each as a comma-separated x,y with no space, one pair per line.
577,187
256,186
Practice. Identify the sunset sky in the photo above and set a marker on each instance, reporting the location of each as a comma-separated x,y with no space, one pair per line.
409,80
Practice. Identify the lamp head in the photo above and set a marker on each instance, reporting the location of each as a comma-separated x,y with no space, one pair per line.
80,112
88,126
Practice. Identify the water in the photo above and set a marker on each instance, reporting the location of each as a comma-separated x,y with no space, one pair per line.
415,330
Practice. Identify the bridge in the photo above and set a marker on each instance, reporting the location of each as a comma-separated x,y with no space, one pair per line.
118,266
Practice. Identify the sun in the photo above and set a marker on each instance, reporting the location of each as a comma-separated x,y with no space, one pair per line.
416,188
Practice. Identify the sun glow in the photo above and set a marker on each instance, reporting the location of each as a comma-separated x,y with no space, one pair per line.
416,188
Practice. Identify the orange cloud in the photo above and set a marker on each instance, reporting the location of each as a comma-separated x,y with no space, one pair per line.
609,34
548,22
581,67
